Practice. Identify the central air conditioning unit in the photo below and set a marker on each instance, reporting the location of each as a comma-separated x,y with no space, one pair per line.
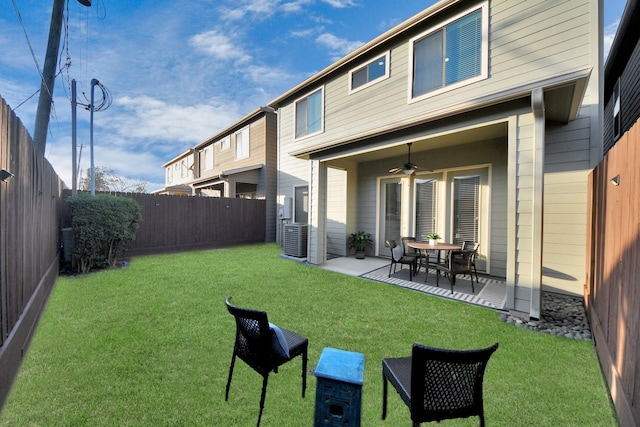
295,240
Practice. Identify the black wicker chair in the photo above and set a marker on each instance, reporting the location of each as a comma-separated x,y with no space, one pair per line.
473,246
445,383
264,347
398,257
458,262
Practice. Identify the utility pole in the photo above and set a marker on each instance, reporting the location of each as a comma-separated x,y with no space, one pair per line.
48,77
94,82
74,171
49,74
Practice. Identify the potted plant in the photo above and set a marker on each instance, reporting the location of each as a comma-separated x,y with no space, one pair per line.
433,237
359,242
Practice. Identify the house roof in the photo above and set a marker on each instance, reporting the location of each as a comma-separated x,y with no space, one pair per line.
179,157
224,174
363,50
235,126
624,43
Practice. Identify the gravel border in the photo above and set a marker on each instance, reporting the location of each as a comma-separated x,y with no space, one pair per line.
561,315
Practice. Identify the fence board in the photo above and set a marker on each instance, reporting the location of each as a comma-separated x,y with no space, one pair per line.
178,223
30,206
613,292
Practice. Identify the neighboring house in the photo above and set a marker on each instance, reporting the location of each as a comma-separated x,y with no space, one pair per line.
238,162
500,101
621,78
179,174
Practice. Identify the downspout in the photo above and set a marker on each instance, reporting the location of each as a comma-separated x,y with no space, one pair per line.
537,106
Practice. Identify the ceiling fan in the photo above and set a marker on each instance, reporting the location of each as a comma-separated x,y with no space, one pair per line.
408,168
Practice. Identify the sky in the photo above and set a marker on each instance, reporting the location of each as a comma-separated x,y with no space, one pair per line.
178,72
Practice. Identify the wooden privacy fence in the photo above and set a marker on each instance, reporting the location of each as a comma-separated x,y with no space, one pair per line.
30,207
612,294
178,223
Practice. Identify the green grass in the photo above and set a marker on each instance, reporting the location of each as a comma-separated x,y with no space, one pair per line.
150,345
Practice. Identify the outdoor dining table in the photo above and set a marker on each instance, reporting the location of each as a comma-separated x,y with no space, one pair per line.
426,246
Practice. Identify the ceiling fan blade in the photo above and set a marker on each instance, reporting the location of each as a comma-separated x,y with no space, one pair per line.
395,170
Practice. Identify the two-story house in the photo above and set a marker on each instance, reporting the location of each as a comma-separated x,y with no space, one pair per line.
178,174
498,102
238,162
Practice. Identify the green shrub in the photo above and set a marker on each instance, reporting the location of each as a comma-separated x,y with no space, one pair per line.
102,226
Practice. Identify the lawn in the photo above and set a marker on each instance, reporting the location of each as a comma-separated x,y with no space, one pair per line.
150,345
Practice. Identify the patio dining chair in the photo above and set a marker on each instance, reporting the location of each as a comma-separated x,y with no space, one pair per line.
409,251
438,384
473,246
398,257
264,347
458,262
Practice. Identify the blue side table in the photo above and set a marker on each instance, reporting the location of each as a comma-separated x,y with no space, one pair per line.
339,388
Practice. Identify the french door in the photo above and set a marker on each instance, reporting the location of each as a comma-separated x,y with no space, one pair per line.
390,216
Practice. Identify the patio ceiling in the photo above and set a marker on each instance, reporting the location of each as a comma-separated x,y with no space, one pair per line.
397,146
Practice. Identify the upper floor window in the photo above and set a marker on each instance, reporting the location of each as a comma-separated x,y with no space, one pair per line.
225,143
374,71
169,174
309,114
207,158
184,169
452,55
242,144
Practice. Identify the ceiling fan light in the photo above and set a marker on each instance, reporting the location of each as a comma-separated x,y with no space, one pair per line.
408,171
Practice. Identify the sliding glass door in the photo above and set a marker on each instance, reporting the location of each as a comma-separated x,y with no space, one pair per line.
390,216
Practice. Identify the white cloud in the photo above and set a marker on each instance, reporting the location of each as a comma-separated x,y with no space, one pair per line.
147,118
609,36
219,46
340,3
338,47
261,9
295,6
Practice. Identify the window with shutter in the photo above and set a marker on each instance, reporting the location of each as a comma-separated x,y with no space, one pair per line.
451,55
466,208
426,198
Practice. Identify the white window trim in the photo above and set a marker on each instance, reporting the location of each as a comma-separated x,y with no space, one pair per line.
385,76
295,103
248,144
208,150
484,57
225,143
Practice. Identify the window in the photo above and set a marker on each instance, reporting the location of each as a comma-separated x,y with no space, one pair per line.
206,158
301,204
169,174
426,198
376,70
451,55
466,208
309,114
242,144
616,110
184,169
225,143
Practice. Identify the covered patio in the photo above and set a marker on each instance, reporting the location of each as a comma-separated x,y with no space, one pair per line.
490,291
